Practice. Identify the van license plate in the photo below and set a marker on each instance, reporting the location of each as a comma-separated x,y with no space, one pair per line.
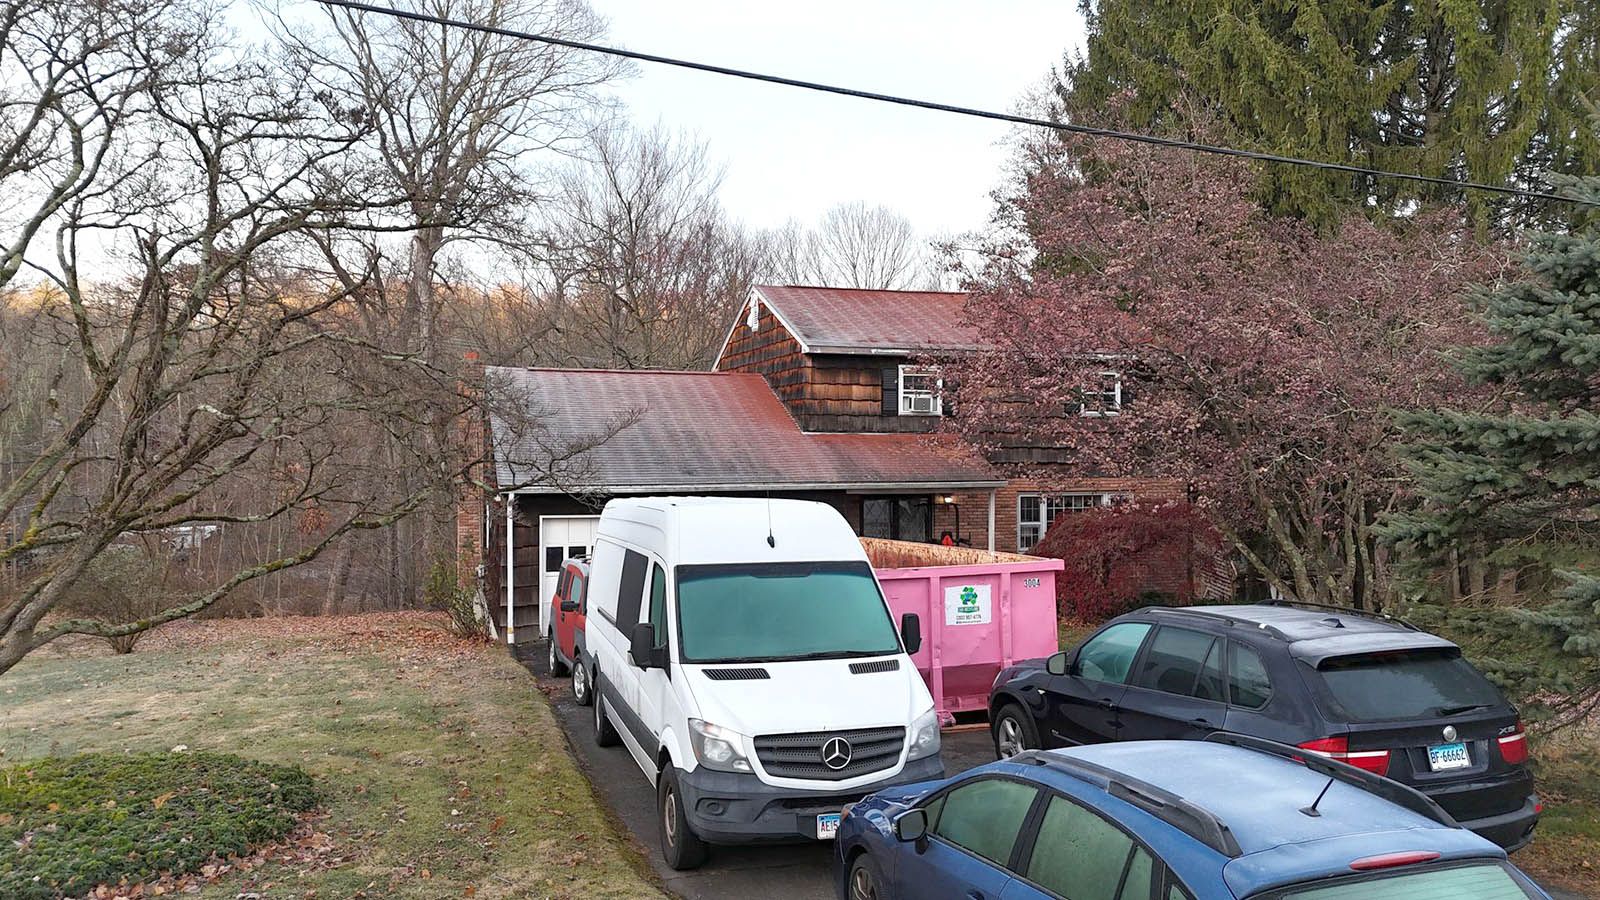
1445,757
827,826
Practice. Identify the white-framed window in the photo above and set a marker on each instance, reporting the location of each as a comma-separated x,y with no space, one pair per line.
1103,397
920,387
1036,512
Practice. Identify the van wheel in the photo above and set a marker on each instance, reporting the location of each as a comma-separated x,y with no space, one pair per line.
1013,732
605,734
865,882
580,683
557,667
679,844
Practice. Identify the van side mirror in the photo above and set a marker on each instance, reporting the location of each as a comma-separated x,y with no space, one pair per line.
1059,664
911,632
569,606
911,825
641,643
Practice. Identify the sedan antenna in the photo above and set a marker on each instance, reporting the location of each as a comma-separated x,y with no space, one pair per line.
1312,809
771,541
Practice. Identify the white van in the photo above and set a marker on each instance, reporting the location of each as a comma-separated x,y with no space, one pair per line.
743,652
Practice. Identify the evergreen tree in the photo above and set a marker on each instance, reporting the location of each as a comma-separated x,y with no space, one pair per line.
1482,90
1523,481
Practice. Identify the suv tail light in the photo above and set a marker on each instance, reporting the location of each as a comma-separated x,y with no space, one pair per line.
1375,761
1514,746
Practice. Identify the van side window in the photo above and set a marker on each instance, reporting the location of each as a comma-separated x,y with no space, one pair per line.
658,605
562,584
631,591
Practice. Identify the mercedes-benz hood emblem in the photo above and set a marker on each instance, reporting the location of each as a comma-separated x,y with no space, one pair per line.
836,753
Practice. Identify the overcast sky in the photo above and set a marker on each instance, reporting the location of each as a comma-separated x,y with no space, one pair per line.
793,154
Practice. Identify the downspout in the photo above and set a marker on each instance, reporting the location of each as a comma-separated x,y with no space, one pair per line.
991,520
511,569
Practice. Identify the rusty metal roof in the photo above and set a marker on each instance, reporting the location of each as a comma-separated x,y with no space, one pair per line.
596,431
849,320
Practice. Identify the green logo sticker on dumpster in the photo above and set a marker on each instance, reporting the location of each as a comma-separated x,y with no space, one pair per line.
967,604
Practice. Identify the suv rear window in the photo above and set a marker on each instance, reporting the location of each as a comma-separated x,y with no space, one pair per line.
1480,881
1407,684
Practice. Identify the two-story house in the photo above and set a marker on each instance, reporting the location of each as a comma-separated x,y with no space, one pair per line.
818,393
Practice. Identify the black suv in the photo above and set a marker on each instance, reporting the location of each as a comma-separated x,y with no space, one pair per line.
1373,692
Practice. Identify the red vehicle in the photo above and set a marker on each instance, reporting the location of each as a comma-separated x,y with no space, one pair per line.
567,609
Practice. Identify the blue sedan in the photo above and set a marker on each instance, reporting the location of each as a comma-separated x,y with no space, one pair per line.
1228,818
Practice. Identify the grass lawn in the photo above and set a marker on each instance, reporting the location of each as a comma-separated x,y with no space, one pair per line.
445,773
1566,848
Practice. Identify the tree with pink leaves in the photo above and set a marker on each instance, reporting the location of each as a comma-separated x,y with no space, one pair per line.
1260,361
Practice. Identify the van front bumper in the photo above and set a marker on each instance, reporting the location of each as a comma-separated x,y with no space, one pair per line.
739,808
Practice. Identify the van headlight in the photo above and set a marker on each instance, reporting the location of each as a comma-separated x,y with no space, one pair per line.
717,747
924,736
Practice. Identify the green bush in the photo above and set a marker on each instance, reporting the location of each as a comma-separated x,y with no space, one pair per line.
67,825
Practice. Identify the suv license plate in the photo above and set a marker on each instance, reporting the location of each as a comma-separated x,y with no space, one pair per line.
1444,757
827,826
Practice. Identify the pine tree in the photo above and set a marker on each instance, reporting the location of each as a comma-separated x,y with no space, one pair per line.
1523,482
1486,90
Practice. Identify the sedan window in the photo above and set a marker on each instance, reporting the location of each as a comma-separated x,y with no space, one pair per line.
1108,656
1487,881
1081,856
985,816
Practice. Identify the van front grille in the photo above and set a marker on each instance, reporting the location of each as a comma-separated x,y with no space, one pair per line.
800,755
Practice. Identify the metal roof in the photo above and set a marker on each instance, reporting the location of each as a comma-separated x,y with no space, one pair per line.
611,432
851,320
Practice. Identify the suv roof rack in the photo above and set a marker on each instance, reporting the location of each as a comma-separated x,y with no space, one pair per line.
1307,604
1198,823
1272,630
1392,791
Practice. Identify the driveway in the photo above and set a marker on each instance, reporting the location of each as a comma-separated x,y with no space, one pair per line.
792,872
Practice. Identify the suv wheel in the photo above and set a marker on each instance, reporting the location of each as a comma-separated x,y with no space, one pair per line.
580,684
605,734
679,844
557,667
1013,732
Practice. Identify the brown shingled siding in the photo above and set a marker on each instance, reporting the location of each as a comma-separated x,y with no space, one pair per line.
770,351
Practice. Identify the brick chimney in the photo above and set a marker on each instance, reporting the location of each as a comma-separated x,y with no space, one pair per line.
473,437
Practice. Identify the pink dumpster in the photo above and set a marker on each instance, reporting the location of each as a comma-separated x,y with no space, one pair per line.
980,612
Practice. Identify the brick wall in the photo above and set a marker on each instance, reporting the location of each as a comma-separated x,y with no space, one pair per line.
974,506
472,433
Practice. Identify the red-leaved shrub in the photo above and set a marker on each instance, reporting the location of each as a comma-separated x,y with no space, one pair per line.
1129,555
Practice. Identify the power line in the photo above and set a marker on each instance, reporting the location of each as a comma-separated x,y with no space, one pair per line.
957,110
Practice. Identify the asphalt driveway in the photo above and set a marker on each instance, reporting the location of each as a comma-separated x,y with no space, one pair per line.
792,872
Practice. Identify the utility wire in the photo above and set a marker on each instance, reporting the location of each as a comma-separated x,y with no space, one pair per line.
957,110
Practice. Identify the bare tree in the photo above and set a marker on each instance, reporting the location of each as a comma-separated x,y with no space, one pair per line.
459,119
211,384
647,270
854,245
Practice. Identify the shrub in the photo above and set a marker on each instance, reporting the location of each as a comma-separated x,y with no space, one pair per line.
69,824
444,591
1130,555
124,584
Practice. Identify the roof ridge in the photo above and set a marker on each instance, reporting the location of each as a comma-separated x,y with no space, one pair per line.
858,290
569,369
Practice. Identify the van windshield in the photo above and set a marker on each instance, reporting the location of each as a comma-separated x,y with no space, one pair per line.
770,612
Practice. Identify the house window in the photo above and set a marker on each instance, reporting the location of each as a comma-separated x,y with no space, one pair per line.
1036,512
897,518
1104,396
920,387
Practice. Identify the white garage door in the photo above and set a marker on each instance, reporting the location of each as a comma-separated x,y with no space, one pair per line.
560,537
